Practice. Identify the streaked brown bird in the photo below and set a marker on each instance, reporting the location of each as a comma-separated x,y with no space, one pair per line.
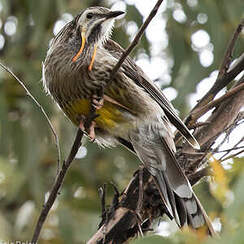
133,111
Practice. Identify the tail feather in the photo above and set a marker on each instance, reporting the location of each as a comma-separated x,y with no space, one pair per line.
166,196
182,211
185,211
161,180
152,145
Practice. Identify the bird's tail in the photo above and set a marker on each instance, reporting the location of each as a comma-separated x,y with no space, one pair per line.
154,146
185,211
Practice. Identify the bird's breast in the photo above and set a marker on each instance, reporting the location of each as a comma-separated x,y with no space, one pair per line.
110,115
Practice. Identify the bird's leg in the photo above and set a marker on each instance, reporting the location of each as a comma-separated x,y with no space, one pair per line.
91,131
88,125
81,119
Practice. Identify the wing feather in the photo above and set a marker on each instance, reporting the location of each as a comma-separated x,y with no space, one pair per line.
136,74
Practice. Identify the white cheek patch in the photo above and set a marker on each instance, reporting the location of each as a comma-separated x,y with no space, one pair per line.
107,29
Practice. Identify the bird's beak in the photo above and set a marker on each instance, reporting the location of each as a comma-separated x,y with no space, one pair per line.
113,14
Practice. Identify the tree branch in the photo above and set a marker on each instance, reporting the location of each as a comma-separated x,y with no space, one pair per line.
202,110
57,185
226,73
136,39
229,51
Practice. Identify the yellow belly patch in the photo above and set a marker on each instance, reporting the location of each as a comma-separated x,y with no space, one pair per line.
109,114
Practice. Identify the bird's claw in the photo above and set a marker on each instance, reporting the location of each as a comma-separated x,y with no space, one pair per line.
97,102
90,130
87,124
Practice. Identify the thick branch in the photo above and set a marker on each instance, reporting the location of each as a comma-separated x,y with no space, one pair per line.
202,110
221,119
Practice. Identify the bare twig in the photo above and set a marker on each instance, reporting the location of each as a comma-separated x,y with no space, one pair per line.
28,93
235,146
57,185
229,149
232,156
137,38
228,131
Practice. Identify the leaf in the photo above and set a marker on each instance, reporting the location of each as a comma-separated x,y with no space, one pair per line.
219,187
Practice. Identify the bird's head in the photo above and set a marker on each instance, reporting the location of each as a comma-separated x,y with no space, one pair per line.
96,23
94,26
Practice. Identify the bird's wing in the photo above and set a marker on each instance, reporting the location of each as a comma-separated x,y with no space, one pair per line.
114,102
136,74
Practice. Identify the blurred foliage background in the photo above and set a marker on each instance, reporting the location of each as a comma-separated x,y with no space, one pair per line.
182,48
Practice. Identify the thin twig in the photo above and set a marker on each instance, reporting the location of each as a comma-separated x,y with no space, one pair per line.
57,185
227,132
28,93
232,156
240,141
136,39
229,150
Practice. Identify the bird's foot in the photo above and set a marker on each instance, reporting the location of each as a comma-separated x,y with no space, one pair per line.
97,102
90,131
87,123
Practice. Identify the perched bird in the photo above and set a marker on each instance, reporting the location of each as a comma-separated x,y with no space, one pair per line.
133,111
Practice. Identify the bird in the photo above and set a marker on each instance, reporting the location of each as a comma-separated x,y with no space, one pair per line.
132,110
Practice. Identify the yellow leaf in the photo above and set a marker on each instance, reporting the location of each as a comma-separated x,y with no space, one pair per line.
219,187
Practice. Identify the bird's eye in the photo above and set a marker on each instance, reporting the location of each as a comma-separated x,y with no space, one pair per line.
89,16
